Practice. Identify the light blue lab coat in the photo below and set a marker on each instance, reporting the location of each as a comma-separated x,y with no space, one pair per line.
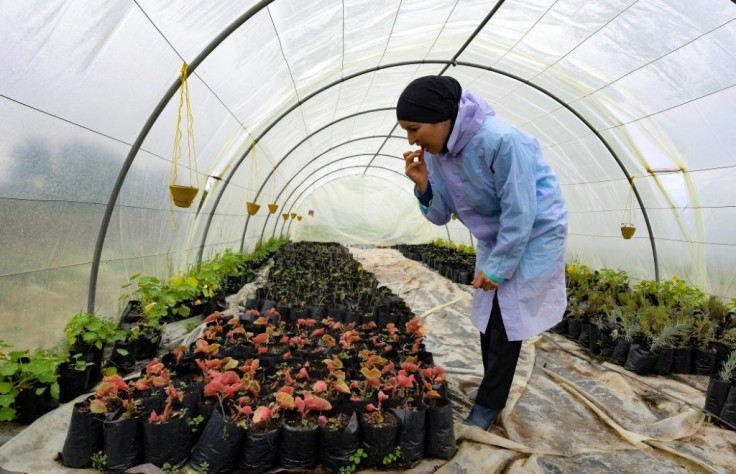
495,180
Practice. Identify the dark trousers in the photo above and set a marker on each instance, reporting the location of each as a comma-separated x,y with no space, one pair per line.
499,361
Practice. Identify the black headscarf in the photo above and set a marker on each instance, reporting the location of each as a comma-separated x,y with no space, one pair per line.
429,99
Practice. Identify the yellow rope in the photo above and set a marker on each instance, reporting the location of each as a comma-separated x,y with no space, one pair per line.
253,171
191,150
628,217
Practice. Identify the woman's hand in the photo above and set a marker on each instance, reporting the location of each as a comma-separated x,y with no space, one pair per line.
481,281
416,170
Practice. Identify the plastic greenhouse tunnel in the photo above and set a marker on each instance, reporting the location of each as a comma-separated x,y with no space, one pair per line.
367,235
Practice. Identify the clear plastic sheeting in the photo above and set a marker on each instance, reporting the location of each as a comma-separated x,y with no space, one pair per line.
612,90
361,210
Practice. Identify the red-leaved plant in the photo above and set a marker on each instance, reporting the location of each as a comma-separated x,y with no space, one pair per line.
172,394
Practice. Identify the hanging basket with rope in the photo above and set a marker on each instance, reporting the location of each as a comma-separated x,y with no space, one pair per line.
273,207
183,195
628,224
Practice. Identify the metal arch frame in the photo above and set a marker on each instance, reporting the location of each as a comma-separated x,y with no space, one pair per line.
115,193
245,229
335,171
502,73
273,234
286,185
247,219
104,225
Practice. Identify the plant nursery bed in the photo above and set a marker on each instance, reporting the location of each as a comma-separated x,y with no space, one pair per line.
566,411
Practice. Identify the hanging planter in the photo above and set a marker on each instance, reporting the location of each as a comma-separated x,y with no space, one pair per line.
299,218
272,208
628,227
252,208
628,230
285,216
293,215
183,195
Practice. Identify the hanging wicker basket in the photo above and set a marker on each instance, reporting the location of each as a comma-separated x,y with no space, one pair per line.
252,208
293,215
285,216
627,230
272,208
298,218
183,196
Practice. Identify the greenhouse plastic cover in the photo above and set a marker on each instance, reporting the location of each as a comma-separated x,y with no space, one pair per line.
293,103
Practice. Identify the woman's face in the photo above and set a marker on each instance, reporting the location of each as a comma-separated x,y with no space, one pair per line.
430,136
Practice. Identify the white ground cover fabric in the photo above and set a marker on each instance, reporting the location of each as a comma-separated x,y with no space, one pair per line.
566,412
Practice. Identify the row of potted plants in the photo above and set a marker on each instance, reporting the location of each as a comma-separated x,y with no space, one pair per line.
33,383
264,390
649,327
456,262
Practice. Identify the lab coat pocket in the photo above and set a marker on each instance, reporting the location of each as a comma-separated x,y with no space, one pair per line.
481,309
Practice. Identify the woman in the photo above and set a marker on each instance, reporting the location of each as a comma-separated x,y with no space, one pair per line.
494,178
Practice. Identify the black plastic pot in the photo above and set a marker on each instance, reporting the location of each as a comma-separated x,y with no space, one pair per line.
299,447
716,395
336,447
411,433
124,363
560,328
682,360
620,351
31,405
607,344
146,345
640,360
594,339
253,303
72,383
83,438
167,442
378,441
573,329
259,451
584,337
131,313
664,361
123,441
218,446
728,413
440,433
93,355
703,361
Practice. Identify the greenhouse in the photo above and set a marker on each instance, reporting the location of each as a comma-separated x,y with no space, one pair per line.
211,228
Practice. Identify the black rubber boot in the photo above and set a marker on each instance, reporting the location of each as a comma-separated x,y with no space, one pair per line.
481,417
